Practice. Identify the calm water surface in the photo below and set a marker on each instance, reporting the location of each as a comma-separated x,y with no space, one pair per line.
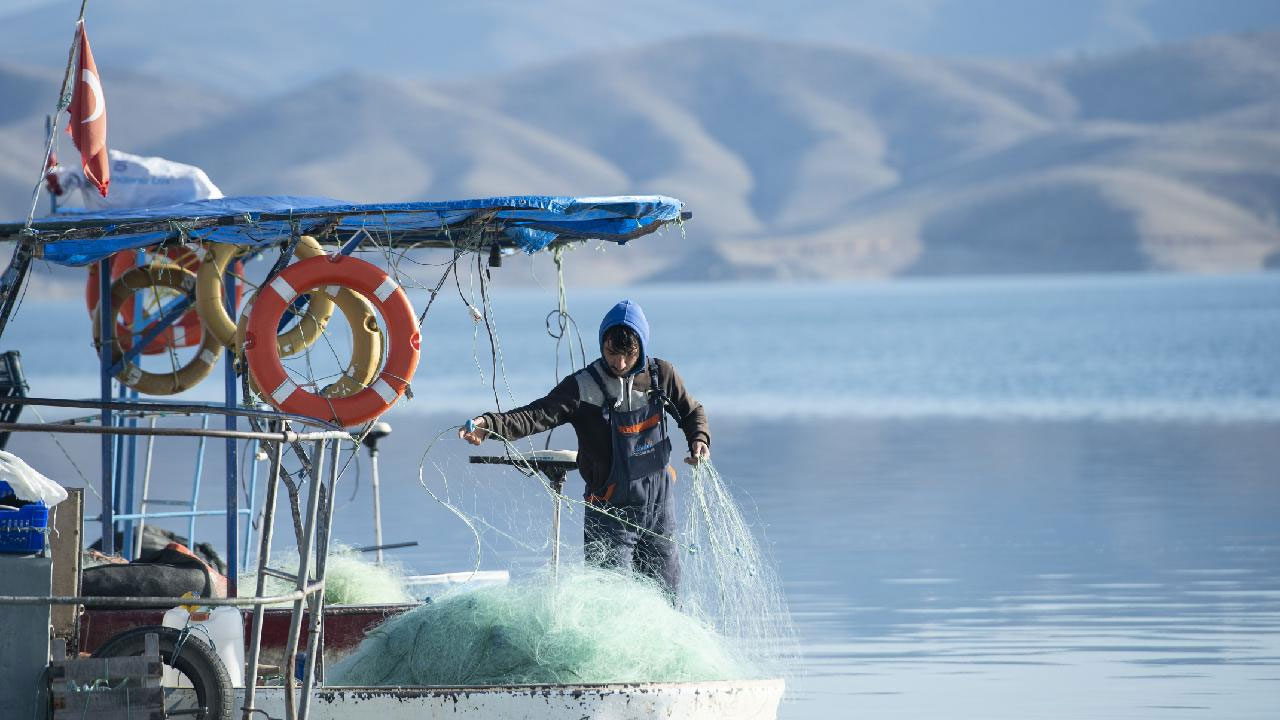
1016,498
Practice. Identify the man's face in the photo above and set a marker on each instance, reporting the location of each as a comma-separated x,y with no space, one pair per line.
620,362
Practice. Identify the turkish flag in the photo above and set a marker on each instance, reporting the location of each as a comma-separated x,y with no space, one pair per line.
88,126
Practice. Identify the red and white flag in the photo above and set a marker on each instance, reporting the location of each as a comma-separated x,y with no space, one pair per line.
88,126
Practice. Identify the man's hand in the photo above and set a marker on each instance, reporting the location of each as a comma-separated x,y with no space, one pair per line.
698,452
477,432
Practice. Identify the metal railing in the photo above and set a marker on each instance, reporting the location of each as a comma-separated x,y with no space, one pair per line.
314,540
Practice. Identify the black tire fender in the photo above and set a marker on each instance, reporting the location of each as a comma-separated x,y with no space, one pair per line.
197,660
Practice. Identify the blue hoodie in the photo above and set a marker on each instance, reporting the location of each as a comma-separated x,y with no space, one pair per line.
629,314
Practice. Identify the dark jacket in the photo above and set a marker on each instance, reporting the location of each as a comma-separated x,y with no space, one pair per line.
578,401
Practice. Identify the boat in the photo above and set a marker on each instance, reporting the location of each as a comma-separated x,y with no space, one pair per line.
303,634
183,254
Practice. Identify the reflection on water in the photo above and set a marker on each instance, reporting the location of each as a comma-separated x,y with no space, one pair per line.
998,569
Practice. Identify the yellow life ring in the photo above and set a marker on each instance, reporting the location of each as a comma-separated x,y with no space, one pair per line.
210,301
131,374
187,330
366,343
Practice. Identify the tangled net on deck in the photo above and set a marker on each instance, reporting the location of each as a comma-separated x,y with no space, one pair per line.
728,579
585,626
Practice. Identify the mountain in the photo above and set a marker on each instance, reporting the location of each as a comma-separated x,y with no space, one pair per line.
142,111
798,161
251,48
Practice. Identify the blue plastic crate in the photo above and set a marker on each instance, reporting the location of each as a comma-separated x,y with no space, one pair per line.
22,530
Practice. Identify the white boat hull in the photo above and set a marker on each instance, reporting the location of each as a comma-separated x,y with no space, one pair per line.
721,700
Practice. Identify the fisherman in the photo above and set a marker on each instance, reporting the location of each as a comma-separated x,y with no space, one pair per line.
616,406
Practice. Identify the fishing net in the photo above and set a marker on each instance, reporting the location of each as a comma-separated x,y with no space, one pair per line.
583,626
349,579
587,625
729,579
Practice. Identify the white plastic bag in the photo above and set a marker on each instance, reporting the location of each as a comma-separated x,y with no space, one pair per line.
28,484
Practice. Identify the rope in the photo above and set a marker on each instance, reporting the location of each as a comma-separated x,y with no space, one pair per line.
67,455
64,101
495,346
563,321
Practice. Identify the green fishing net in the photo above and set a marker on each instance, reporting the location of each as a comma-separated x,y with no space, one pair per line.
350,579
729,579
582,626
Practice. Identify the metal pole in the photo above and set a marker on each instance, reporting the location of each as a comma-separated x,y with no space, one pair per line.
313,666
195,484
130,468
117,468
557,485
106,326
146,488
264,557
13,277
372,437
304,567
253,494
377,504
233,466
130,443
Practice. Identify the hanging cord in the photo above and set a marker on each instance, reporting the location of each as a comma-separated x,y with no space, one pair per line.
476,316
435,291
64,101
355,488
497,340
495,347
485,314
66,454
563,322
563,319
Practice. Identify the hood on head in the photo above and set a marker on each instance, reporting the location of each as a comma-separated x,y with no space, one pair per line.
629,314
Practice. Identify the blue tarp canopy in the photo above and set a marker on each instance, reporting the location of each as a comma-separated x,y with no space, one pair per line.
526,222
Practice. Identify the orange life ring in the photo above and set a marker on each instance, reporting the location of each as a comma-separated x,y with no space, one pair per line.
366,344
185,332
399,323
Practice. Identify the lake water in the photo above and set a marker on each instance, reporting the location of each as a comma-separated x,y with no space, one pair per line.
987,498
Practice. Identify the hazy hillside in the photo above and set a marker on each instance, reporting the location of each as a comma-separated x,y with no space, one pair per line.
251,48
797,161
142,111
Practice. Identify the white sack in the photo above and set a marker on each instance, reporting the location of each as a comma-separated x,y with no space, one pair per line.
28,484
136,182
